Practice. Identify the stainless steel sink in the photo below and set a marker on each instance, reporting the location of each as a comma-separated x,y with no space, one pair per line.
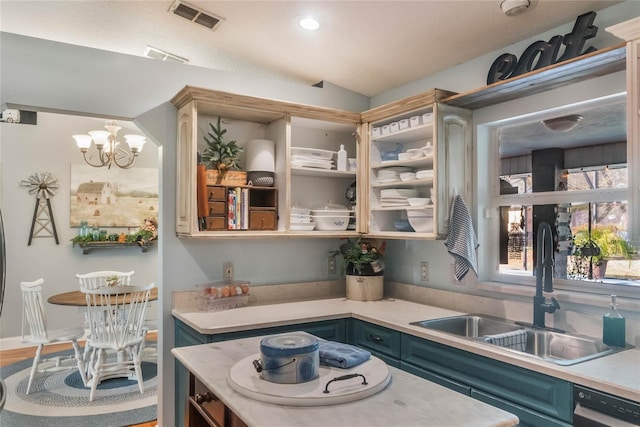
470,326
556,347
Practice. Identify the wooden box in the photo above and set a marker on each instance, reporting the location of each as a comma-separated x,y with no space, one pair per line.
230,178
216,223
216,194
262,220
217,208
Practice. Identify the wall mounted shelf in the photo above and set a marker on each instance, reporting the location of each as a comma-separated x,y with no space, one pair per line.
89,246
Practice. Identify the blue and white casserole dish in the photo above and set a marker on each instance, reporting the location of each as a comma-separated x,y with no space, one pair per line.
290,358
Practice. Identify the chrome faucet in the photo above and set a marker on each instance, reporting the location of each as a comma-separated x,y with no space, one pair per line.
544,276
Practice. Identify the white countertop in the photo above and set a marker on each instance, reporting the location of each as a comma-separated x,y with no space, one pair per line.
407,401
618,374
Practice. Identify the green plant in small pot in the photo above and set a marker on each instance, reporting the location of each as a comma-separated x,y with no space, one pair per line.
364,269
593,248
220,154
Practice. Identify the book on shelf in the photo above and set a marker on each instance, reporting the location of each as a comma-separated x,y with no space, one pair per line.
238,209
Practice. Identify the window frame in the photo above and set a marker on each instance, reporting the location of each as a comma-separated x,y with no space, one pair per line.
489,200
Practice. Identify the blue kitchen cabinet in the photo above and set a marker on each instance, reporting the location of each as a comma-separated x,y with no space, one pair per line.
539,399
333,330
382,342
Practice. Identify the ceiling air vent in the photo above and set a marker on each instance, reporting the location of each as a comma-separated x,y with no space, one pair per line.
155,53
196,15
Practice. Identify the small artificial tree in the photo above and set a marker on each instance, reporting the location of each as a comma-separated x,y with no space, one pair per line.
219,154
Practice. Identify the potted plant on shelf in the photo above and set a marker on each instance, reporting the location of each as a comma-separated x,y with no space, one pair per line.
364,269
222,157
594,247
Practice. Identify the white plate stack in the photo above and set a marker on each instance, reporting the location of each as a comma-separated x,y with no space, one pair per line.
424,174
300,220
311,158
396,196
391,174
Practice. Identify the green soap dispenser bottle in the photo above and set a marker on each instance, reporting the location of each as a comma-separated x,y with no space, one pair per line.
613,326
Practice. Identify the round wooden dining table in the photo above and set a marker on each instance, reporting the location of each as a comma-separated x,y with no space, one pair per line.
78,299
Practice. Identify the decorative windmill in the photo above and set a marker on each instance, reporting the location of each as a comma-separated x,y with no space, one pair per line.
44,186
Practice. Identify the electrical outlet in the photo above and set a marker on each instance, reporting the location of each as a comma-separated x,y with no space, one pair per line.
227,267
331,265
424,271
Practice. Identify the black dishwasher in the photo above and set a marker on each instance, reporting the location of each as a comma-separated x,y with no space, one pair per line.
597,409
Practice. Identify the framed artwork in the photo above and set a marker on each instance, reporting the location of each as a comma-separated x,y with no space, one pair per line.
113,197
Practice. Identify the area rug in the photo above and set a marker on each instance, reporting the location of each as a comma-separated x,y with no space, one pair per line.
59,399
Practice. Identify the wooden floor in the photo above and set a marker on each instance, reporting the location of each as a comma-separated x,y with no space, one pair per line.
7,357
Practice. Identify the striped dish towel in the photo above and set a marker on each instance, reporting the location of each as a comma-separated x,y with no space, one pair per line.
515,340
462,241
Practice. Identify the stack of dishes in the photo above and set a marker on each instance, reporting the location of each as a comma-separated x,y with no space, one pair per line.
424,174
396,196
391,174
331,217
311,158
301,220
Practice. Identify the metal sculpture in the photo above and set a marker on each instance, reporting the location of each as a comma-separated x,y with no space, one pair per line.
44,185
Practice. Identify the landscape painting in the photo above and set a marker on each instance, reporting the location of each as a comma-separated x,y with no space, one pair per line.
113,197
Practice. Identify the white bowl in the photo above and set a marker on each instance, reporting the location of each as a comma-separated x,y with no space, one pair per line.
330,212
404,156
418,201
419,213
331,223
421,224
408,176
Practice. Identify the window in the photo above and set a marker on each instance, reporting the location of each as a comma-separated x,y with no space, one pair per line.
574,177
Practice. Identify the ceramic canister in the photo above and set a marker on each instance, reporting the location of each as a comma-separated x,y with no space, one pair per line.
290,358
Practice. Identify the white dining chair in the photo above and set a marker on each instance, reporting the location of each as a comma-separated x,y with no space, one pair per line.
99,279
116,322
33,316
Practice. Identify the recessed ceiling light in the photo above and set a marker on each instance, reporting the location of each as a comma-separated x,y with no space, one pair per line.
309,23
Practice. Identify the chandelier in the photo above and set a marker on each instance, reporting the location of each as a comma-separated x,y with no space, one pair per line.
109,150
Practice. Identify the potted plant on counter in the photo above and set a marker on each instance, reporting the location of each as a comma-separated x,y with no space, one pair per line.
364,269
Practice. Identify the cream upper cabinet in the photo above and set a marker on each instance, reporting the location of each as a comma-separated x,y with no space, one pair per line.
306,140
418,158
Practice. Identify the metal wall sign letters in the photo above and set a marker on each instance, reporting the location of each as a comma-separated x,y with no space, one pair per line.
541,54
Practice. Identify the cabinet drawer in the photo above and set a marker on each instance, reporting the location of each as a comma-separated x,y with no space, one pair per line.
216,223
216,193
217,208
373,337
262,220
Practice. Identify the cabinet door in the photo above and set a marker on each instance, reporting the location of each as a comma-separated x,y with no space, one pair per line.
542,393
438,379
186,157
454,161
